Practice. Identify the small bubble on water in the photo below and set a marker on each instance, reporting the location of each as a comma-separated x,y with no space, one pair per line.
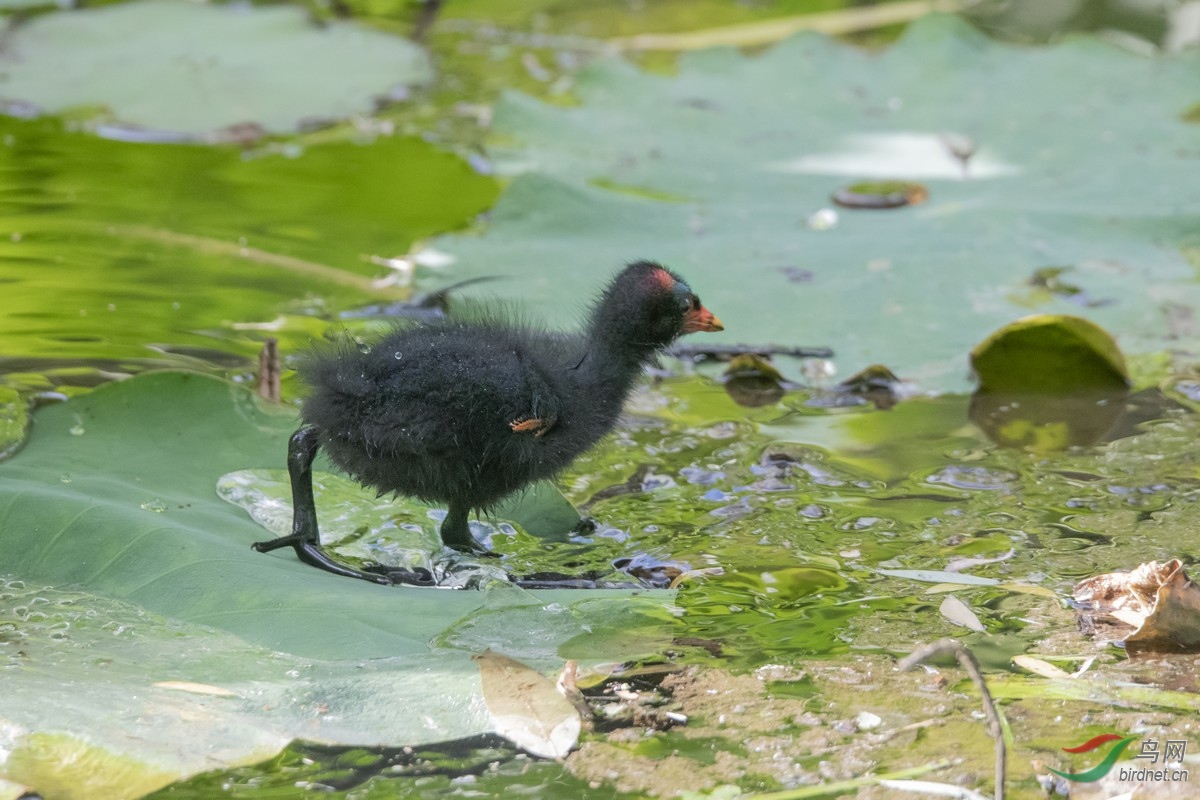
155,505
972,478
701,477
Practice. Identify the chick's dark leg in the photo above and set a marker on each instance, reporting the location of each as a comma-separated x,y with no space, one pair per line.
305,538
456,529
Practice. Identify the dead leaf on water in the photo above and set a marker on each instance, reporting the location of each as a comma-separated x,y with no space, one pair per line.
957,612
526,707
13,791
960,563
1039,667
1158,600
1016,588
938,576
197,688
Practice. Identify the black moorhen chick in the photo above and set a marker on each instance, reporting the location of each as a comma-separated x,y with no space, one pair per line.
467,412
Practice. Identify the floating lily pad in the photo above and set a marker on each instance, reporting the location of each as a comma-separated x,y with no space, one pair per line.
876,384
184,66
358,527
881,194
753,381
1049,354
88,503
1048,382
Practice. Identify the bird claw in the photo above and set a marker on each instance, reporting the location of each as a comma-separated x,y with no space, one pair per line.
405,577
311,553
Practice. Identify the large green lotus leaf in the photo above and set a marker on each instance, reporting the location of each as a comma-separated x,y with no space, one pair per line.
183,66
126,570
115,492
1081,159
109,700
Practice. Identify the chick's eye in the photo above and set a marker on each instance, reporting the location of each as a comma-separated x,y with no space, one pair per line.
694,303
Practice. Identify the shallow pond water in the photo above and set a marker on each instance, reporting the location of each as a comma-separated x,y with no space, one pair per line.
806,533
120,257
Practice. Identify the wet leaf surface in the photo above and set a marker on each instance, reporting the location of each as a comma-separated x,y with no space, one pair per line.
160,565
753,381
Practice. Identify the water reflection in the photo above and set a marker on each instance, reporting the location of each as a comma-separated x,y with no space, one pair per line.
1055,422
1046,422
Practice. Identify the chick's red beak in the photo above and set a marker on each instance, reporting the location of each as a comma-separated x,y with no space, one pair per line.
700,319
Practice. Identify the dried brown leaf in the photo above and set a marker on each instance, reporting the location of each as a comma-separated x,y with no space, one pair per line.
1158,600
526,707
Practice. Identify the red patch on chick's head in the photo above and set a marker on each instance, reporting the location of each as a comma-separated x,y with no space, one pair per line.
695,317
662,279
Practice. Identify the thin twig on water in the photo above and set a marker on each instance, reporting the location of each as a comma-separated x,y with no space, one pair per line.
968,663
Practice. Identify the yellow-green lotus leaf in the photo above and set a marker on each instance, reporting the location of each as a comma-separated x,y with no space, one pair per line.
1049,354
